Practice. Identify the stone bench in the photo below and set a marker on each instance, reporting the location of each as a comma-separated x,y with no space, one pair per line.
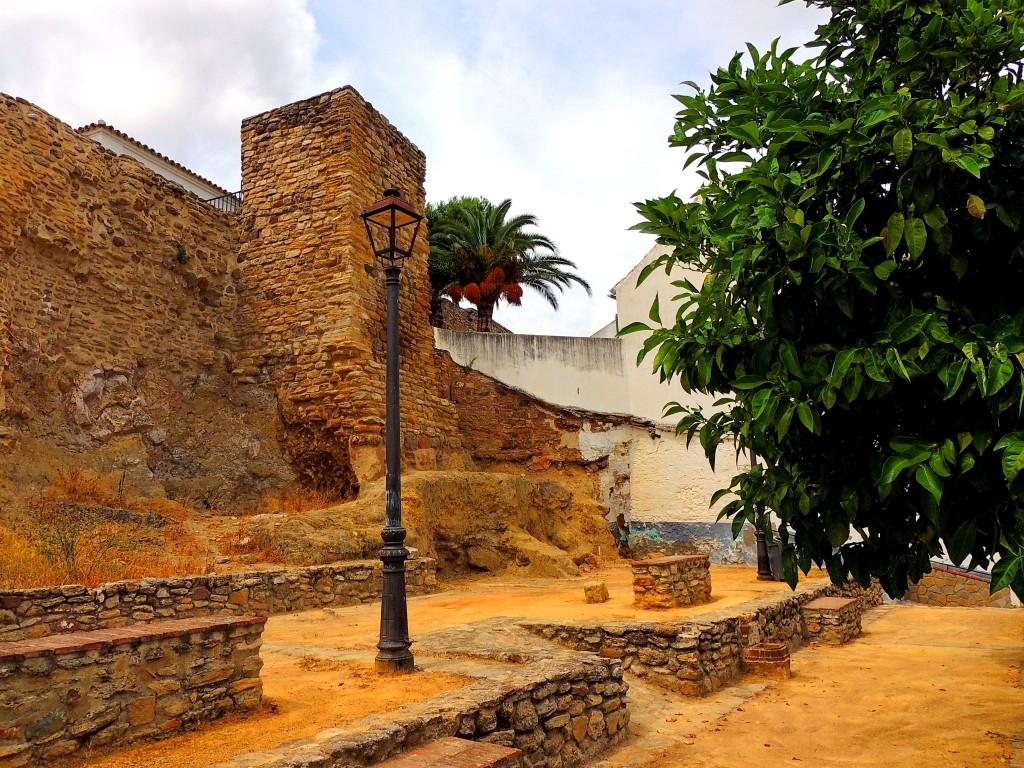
62,693
451,752
669,582
832,620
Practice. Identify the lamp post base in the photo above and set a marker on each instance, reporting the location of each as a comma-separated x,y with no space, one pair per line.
764,565
397,664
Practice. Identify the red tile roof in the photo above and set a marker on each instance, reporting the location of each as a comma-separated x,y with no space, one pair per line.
122,135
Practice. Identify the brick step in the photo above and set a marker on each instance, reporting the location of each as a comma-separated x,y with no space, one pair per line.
451,752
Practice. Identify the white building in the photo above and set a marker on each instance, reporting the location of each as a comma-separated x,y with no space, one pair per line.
669,485
121,143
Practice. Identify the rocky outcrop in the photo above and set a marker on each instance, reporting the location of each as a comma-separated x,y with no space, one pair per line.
469,521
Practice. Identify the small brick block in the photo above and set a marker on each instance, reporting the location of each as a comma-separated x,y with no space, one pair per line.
768,660
451,752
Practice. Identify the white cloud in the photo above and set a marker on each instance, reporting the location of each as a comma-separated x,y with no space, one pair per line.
562,106
178,76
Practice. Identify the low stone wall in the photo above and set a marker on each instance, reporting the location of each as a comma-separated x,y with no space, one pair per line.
39,612
560,712
63,693
950,586
692,657
832,620
697,657
769,619
668,582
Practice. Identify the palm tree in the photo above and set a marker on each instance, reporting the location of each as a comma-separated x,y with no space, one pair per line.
481,255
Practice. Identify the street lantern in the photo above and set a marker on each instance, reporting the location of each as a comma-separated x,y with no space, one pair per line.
392,225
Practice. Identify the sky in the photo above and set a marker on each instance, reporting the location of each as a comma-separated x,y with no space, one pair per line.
562,106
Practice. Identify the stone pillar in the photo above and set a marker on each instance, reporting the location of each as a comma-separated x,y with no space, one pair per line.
312,300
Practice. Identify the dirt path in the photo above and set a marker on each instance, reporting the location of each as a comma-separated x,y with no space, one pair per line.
921,688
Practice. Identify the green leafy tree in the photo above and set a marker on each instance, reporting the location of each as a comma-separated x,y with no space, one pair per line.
481,254
861,312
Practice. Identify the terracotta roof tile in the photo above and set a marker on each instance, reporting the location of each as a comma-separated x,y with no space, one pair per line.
122,135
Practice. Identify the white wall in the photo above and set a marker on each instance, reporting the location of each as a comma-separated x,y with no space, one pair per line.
647,394
570,371
671,483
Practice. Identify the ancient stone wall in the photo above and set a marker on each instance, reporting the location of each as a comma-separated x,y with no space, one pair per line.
117,311
312,297
949,586
216,358
30,613
560,712
502,424
67,693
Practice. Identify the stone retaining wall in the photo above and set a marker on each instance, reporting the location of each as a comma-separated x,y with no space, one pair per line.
949,586
560,712
28,613
63,693
696,657
691,657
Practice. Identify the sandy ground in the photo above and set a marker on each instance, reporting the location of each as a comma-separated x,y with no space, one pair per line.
468,601
921,687
303,695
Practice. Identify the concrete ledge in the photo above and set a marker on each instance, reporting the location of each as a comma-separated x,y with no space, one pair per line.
947,585
669,582
698,656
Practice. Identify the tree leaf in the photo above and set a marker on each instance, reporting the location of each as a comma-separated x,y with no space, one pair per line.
903,145
873,367
927,480
1008,572
655,313
886,268
895,233
838,532
916,235
633,328
1012,446
960,546
976,206
809,418
892,468
896,363
969,164
748,382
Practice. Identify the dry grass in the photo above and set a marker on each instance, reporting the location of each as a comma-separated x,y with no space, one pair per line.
291,503
51,540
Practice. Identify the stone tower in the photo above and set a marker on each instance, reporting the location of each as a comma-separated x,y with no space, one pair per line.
311,298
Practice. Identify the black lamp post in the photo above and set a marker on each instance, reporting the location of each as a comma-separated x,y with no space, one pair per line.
392,225
764,564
